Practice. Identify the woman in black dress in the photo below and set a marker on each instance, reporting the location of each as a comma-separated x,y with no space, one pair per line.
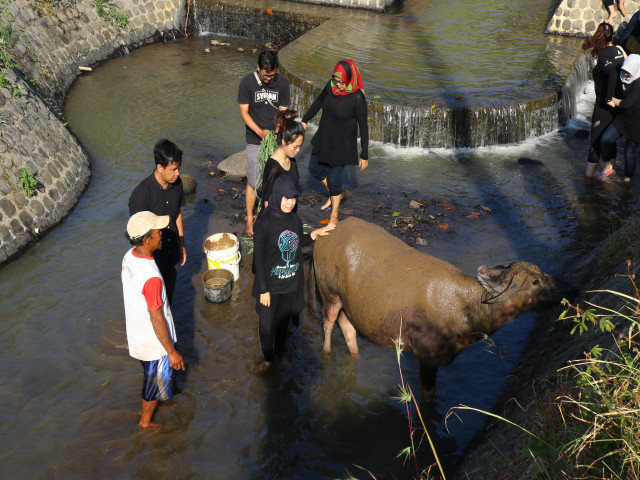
608,59
290,137
277,259
344,111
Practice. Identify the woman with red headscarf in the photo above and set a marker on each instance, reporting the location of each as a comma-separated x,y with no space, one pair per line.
335,144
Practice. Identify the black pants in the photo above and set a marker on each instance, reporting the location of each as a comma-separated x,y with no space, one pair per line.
273,323
167,258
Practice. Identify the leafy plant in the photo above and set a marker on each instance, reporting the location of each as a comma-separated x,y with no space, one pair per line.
27,182
268,145
110,13
121,18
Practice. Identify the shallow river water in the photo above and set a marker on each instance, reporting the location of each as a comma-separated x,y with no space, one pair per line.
70,392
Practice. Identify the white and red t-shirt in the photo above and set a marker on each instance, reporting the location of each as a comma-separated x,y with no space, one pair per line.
143,291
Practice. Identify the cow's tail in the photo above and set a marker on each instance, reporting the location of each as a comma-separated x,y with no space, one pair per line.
311,286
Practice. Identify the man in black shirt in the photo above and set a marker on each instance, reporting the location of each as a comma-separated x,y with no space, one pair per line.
260,95
162,193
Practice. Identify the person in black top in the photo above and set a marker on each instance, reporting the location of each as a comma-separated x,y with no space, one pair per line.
626,122
260,95
290,137
608,60
162,193
335,144
279,277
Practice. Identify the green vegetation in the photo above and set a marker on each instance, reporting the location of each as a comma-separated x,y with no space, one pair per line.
588,425
46,6
110,13
406,396
27,182
6,36
121,18
623,245
268,145
17,91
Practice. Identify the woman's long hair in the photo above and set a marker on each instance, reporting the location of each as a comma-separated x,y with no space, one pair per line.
599,40
287,128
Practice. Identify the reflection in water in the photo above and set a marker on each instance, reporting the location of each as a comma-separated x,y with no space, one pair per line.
489,52
71,392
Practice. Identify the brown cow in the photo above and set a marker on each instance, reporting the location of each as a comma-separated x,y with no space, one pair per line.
374,280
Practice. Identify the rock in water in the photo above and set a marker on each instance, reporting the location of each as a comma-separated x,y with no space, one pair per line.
529,161
188,183
234,166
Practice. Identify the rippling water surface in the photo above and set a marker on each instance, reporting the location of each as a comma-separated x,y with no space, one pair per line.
70,392
465,53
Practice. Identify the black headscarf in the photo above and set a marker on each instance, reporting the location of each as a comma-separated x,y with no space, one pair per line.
284,186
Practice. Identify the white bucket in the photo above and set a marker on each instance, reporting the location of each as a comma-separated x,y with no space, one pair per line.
223,257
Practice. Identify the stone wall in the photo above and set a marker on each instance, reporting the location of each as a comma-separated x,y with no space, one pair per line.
581,17
48,45
375,5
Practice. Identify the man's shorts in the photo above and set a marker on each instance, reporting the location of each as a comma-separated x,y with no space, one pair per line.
252,164
158,380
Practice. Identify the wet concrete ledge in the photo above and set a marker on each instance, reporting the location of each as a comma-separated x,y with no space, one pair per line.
375,5
413,123
48,47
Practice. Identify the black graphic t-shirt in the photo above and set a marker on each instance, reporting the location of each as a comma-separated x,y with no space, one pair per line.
255,95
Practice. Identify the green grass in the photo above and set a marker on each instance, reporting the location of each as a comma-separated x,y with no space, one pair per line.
623,244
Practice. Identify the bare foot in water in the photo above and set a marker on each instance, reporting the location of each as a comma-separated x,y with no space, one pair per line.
151,427
333,219
263,367
326,204
249,229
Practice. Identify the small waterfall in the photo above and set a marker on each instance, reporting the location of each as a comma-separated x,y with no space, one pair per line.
466,127
572,88
194,20
407,125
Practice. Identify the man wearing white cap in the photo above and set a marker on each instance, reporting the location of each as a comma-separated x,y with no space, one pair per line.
151,333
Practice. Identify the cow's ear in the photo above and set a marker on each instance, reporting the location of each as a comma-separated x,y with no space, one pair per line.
493,278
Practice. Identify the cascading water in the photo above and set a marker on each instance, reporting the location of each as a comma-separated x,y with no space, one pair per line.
426,105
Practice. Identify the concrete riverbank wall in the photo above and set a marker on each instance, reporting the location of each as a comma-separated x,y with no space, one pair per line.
47,43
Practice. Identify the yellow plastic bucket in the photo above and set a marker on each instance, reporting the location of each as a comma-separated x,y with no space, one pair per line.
223,251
